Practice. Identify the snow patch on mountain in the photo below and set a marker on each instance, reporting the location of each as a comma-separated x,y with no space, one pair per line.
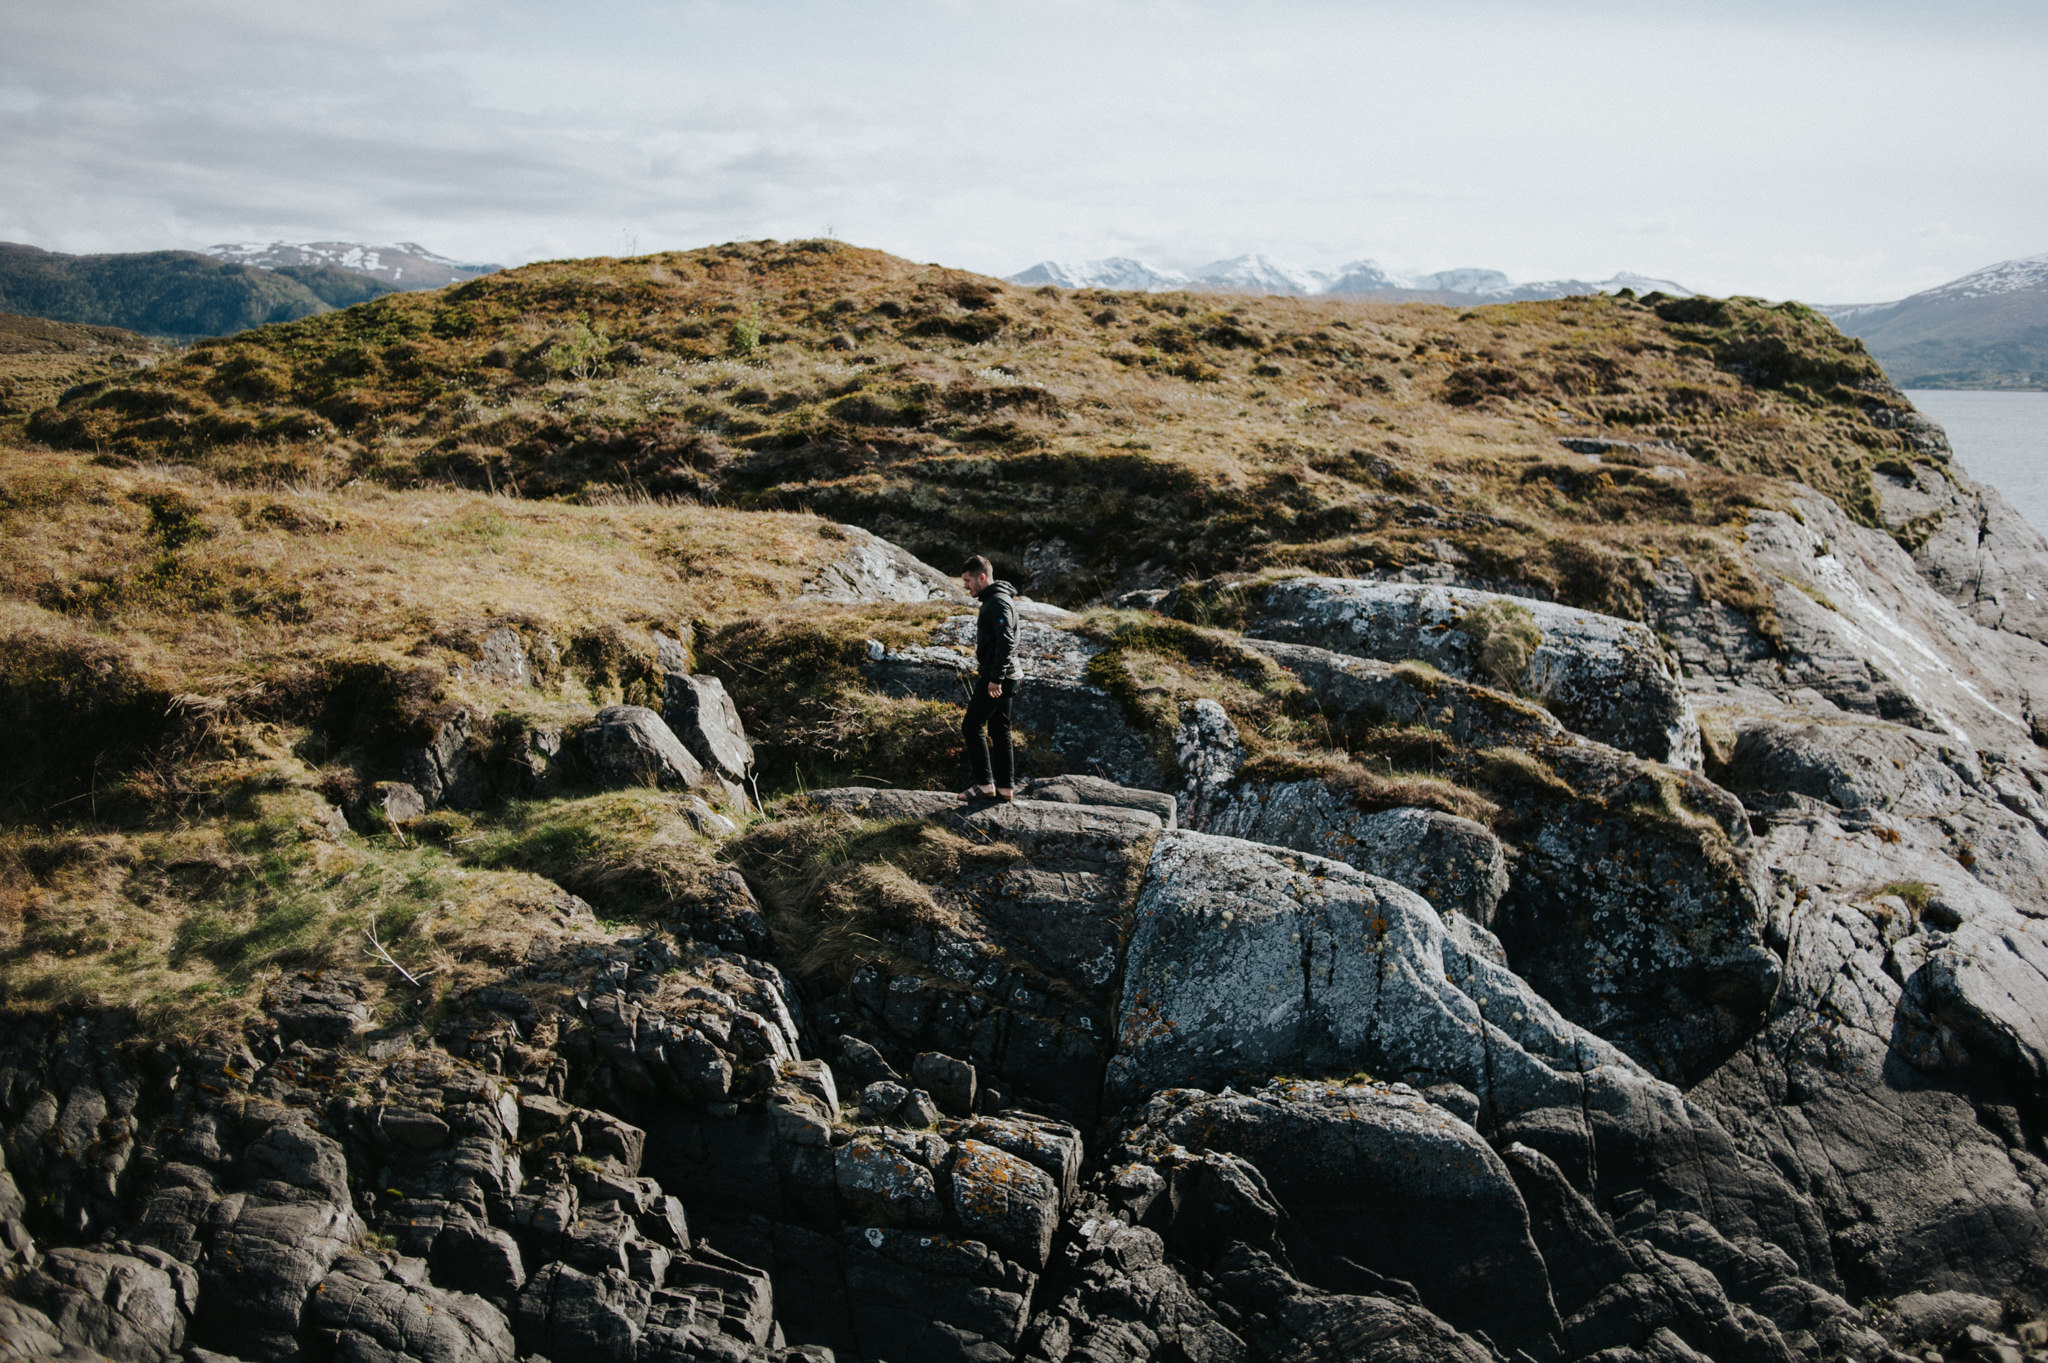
1260,274
407,264
2021,275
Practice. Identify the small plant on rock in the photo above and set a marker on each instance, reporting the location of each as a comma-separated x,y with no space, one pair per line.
1504,639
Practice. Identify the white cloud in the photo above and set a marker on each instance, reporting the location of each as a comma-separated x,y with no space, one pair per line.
1785,149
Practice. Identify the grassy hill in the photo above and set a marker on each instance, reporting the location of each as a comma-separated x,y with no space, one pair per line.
234,584
39,359
1149,436
177,294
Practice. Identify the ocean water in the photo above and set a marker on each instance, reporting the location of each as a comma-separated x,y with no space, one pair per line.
2000,439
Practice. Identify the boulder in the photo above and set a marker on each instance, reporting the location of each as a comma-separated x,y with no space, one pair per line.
1636,905
1854,625
703,716
629,745
396,803
1454,863
872,569
1974,547
886,1179
533,764
1605,678
1093,790
1247,961
950,1081
566,1313
1987,986
501,658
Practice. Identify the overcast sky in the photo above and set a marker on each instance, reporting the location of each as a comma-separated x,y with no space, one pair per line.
1836,152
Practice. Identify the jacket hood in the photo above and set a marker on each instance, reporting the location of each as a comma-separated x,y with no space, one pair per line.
996,588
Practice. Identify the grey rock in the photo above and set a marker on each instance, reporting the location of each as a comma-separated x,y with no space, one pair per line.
1978,551
1938,1318
950,1082
323,1009
1989,986
396,803
27,1333
1858,627
1093,790
918,1110
703,716
917,1295
1605,678
1053,1147
883,1182
117,1304
290,1162
447,771
533,764
882,1100
1248,960
1454,863
565,1313
629,745
369,1310
501,658
1004,1201
865,1063
1207,746
259,1271
1384,1179
873,569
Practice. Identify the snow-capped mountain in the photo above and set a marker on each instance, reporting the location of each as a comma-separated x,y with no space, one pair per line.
1115,272
1259,274
2007,276
1984,330
407,265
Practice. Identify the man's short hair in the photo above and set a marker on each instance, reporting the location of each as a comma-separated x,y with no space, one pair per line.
979,566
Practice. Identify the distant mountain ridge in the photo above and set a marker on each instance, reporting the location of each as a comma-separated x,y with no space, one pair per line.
1259,274
1987,329
184,295
406,265
178,295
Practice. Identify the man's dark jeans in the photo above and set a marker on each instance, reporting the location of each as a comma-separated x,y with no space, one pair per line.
993,714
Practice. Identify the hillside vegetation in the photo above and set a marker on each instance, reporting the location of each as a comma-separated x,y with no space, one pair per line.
176,294
1134,439
39,359
236,585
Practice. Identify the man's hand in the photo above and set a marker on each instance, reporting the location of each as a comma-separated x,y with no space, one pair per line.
995,690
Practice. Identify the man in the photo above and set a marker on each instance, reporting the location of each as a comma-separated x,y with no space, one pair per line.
995,683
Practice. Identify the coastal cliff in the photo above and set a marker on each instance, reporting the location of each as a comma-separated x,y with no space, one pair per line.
1563,881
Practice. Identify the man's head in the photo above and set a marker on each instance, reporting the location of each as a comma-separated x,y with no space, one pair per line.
976,574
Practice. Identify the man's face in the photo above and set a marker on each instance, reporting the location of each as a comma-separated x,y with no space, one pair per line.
973,582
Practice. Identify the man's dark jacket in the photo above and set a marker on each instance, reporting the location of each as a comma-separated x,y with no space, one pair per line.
995,634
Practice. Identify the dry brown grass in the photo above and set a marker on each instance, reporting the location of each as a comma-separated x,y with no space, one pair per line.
183,924
40,359
1158,435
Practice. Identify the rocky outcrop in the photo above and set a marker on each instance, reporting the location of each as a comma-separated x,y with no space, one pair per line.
1605,678
873,569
